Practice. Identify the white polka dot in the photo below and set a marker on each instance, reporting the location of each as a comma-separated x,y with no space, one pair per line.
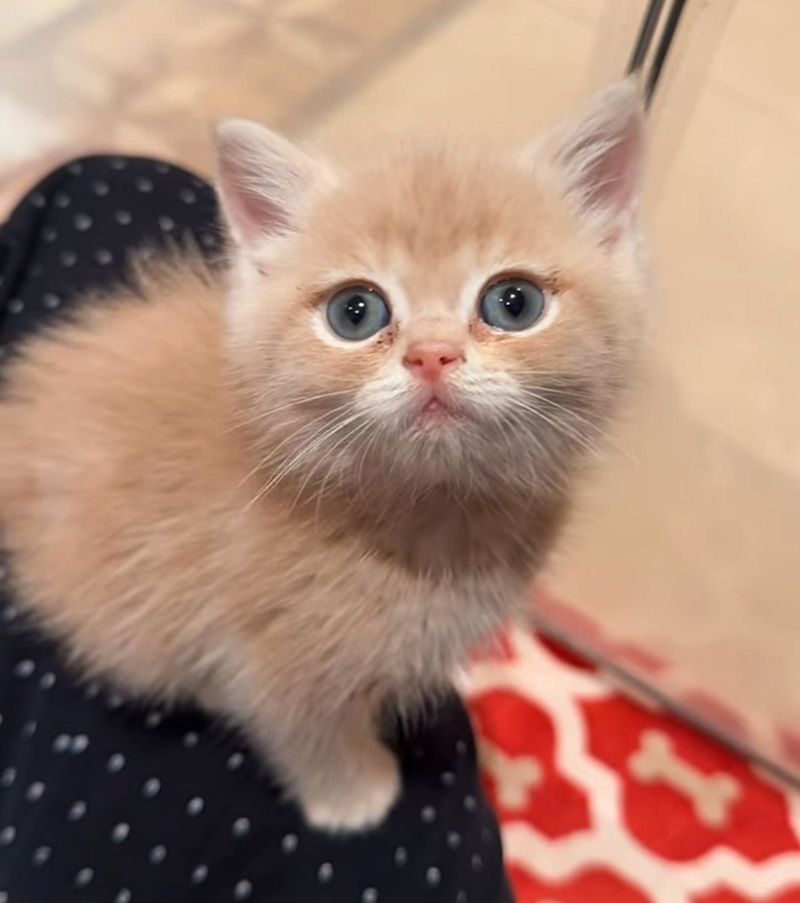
24,668
187,196
428,815
448,778
41,855
144,184
476,862
116,763
158,854
82,222
118,163
47,680
289,843
49,234
151,788
243,890
235,760
3,896
80,743
115,701
433,876
75,169
207,240
84,877
199,874
470,803
29,729
370,895
153,719
61,200
35,792
190,739
461,747
195,805
453,840
461,897
120,832
62,743
51,300
38,200
400,856
166,223
100,188
103,256
77,810
325,873
241,827
123,217
124,896
15,306
92,689
7,835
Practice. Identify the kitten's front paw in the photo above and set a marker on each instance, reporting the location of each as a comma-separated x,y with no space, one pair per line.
356,803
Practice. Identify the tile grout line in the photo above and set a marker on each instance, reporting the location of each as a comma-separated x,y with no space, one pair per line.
58,23
370,66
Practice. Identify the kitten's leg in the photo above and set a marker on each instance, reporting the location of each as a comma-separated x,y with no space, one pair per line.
335,766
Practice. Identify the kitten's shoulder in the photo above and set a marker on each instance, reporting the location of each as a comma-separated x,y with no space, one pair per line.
166,312
135,365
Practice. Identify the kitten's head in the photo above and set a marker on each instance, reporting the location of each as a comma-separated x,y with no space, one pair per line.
436,314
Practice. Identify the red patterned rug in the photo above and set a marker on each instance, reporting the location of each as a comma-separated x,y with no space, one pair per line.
605,800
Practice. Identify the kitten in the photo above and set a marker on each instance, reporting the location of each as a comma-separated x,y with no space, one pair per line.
299,492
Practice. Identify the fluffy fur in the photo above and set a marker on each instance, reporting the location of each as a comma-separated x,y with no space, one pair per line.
207,495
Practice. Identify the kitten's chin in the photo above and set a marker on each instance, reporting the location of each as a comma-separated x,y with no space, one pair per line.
436,414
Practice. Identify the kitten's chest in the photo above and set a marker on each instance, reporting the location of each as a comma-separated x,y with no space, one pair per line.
415,627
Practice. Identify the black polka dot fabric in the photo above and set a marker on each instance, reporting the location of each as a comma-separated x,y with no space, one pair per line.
105,798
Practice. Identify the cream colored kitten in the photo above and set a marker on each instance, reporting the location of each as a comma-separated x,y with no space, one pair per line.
298,493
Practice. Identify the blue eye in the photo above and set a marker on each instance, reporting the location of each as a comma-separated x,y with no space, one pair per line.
357,313
512,305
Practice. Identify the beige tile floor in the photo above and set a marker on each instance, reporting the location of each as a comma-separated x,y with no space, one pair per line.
691,548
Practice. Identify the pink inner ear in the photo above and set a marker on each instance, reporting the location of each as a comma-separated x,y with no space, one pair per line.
615,174
252,214
611,179
601,155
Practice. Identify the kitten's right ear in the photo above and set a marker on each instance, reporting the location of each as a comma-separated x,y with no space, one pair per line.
598,157
263,181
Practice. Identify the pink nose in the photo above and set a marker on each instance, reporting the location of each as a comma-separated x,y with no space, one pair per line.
432,361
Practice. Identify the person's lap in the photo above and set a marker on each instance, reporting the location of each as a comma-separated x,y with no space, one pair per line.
114,800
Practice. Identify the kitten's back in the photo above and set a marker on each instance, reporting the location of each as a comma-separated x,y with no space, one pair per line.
112,428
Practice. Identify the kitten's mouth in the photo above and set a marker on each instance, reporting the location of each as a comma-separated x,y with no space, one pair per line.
434,410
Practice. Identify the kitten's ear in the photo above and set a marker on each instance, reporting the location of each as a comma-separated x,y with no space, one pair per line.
599,155
263,181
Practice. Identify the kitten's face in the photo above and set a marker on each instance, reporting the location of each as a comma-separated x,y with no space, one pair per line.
438,317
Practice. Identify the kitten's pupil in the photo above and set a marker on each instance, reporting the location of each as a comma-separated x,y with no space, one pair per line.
513,300
356,309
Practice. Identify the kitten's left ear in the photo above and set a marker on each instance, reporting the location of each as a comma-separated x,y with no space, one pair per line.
263,181
599,158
